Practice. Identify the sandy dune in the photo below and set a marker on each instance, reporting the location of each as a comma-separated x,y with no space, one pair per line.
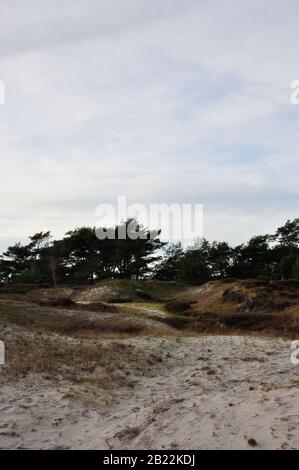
211,392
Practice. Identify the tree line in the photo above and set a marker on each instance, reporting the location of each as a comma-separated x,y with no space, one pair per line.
81,257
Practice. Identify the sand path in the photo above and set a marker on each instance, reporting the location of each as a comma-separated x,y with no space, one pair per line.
210,392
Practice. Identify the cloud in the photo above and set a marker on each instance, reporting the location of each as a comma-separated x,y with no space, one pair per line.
167,101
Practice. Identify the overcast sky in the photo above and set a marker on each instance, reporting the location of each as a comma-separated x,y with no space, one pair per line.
163,101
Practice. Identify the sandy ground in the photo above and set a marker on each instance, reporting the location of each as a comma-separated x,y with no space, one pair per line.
210,392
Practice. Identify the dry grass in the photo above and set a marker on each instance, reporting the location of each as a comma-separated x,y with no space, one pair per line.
92,364
91,347
122,291
88,364
66,322
51,296
85,348
268,307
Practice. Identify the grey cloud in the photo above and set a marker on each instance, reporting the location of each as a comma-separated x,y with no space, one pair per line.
159,101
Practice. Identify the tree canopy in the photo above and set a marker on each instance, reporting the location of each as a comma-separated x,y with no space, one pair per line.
81,257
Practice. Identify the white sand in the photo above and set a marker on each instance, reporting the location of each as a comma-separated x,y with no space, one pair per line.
210,392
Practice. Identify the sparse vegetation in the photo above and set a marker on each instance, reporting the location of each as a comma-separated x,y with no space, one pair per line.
250,305
83,347
66,322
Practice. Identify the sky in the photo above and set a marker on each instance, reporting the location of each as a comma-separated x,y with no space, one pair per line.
162,101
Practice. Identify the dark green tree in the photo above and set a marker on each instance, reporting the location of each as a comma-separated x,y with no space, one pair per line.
169,267
220,259
194,267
